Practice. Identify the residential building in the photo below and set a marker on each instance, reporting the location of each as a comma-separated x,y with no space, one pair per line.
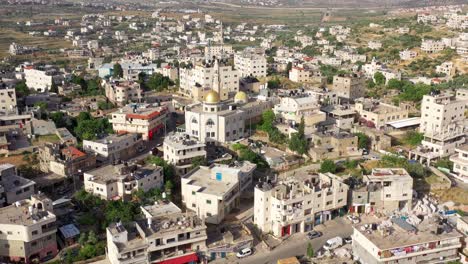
64,160
333,144
120,181
215,121
432,46
166,235
460,163
379,113
218,51
249,84
250,63
298,204
375,66
169,72
115,147
214,191
40,79
8,101
408,54
446,68
398,241
342,116
28,231
349,87
122,92
180,150
13,187
292,109
215,75
374,45
301,75
383,191
144,119
442,115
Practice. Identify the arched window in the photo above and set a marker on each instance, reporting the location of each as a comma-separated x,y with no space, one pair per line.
210,122
194,121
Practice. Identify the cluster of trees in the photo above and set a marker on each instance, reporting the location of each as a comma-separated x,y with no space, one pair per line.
268,125
98,214
91,87
89,127
298,141
168,170
363,140
90,246
311,51
413,138
245,153
158,82
414,169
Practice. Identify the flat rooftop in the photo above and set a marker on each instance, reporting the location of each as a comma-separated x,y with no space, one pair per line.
114,138
122,172
19,214
204,177
389,174
142,110
400,236
182,141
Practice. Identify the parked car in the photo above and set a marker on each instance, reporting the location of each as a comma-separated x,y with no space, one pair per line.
244,253
333,243
353,219
348,240
314,234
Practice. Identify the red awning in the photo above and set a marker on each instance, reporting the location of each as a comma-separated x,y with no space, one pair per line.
181,260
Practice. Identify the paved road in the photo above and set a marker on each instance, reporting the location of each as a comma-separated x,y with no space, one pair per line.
296,245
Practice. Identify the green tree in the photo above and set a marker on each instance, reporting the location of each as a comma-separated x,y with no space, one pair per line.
413,138
298,142
274,83
117,71
92,238
198,161
310,250
328,166
83,239
268,119
159,82
168,169
288,67
22,89
168,186
53,88
379,78
363,140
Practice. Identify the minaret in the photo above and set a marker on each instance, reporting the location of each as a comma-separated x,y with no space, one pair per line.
221,33
216,85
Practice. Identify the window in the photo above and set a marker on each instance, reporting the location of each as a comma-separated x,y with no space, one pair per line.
208,214
193,192
208,201
210,122
34,232
388,195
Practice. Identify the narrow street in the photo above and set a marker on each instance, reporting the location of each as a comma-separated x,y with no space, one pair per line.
296,245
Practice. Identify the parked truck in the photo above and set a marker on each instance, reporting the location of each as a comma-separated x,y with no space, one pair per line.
333,243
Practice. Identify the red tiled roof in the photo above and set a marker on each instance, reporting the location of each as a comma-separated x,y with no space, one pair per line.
181,260
73,152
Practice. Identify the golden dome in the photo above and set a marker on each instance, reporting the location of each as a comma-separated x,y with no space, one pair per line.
240,96
212,97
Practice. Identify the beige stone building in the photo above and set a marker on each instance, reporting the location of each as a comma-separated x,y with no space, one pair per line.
28,231
383,191
213,192
144,119
12,186
331,145
292,109
215,75
251,64
349,87
65,160
215,121
460,163
300,75
120,181
121,92
298,204
432,46
166,235
397,241
115,147
8,100
379,113
442,117
180,150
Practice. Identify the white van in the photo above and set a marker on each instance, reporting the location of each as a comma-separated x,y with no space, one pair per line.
333,243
